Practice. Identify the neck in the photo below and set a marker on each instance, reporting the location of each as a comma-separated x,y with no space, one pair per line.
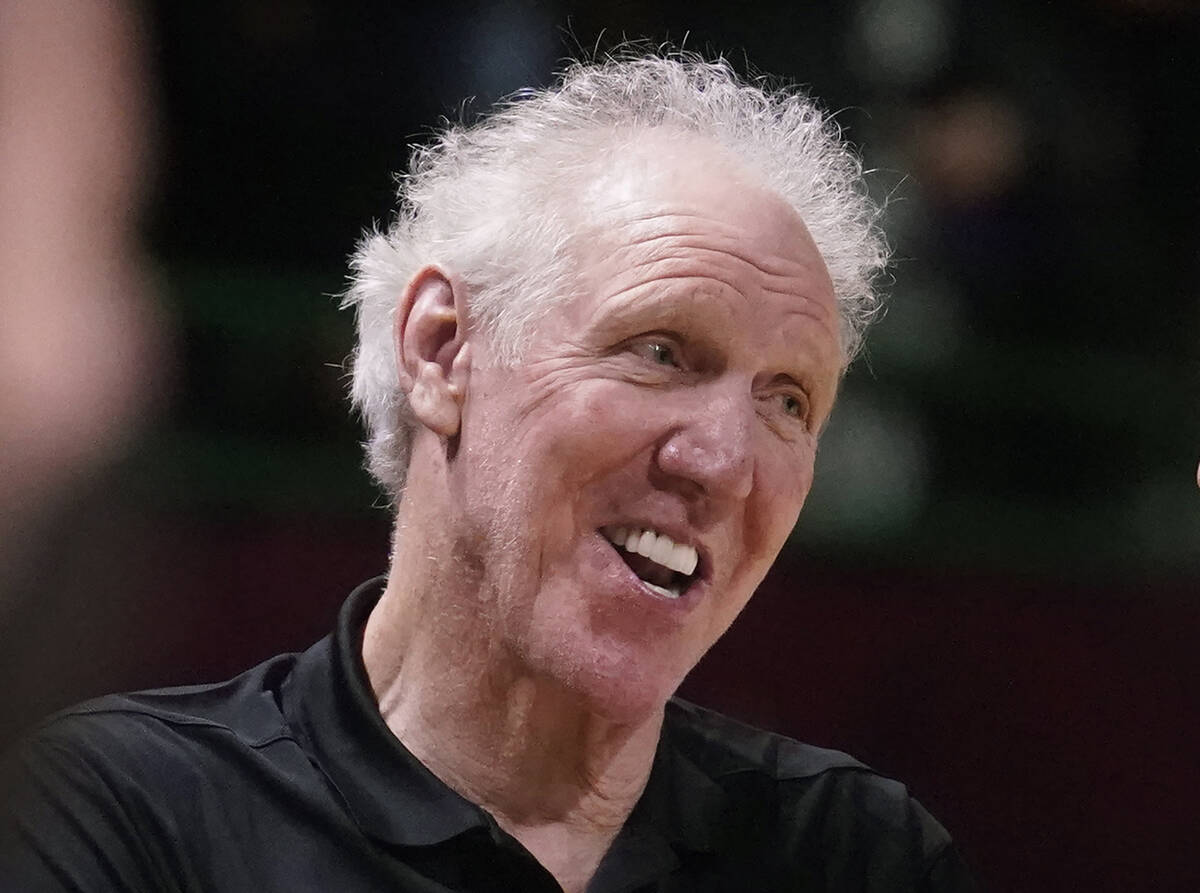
554,774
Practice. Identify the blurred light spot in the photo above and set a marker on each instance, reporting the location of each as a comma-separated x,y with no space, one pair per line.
923,326
901,43
970,147
1163,518
872,472
509,46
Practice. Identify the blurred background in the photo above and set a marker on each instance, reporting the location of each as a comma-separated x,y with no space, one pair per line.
994,592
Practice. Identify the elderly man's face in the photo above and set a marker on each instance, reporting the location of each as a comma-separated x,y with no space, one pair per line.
681,393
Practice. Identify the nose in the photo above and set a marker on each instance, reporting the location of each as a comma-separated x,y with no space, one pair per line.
710,451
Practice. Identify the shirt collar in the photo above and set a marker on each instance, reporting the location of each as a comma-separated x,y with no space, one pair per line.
681,801
329,704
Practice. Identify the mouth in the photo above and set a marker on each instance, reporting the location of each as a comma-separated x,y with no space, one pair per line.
665,567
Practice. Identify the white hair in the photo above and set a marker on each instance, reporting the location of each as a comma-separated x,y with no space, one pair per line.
492,203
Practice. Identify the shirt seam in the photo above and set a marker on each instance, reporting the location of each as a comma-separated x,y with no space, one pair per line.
760,770
281,735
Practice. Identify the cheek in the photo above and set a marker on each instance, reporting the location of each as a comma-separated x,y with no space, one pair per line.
596,428
538,459
782,482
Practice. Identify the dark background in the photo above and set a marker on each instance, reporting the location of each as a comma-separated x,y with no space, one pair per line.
994,593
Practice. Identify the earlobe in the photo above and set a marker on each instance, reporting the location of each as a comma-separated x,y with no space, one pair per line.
431,351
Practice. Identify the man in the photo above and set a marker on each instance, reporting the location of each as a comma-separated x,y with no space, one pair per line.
596,350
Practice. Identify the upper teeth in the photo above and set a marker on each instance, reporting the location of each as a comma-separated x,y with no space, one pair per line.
655,546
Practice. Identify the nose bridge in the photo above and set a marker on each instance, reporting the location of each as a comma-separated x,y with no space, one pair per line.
712,444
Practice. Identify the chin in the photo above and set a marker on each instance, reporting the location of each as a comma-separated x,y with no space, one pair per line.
603,655
623,706
620,688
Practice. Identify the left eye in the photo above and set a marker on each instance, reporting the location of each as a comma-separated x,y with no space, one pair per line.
792,405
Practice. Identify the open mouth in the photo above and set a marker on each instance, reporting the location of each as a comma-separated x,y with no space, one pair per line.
666,567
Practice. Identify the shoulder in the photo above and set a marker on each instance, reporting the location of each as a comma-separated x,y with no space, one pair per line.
97,792
739,756
817,809
151,744
724,746
243,711
145,747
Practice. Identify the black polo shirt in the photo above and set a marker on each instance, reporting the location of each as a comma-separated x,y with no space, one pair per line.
287,779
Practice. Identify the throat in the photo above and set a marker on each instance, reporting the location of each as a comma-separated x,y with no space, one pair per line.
569,852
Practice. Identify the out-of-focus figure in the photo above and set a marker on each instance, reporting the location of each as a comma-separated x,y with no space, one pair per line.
80,340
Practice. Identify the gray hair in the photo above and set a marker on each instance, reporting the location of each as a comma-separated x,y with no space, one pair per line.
490,202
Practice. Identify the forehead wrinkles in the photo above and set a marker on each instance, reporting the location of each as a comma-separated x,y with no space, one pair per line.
652,249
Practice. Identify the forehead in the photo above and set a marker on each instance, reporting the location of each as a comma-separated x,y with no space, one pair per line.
683,218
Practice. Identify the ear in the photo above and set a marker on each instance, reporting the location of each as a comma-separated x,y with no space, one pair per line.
431,349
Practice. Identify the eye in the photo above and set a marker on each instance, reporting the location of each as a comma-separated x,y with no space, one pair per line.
793,405
661,353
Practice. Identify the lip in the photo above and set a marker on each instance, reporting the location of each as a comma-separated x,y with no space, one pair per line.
699,576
